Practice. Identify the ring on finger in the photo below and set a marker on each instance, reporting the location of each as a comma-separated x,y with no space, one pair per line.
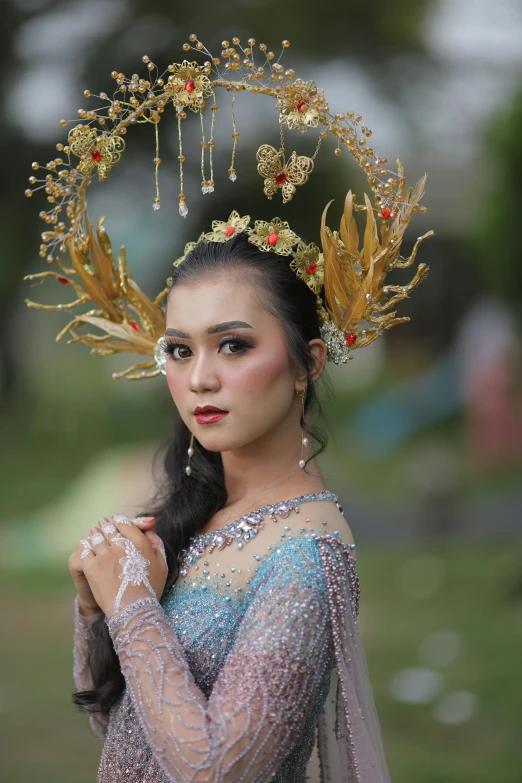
97,538
108,527
86,547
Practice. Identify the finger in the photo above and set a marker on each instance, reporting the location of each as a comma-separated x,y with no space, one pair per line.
86,550
157,544
145,522
156,541
129,530
108,529
141,522
97,539
161,549
151,537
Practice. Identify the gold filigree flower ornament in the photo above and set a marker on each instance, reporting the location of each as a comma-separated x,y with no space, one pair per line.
347,280
302,106
189,84
95,151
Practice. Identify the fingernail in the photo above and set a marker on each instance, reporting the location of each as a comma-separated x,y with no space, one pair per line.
93,530
144,519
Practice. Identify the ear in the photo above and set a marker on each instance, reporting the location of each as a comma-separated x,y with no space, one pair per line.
319,353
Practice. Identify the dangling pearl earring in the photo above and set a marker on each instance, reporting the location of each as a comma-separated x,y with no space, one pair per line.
304,441
190,452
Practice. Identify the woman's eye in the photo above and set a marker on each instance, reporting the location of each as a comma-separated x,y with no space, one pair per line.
173,349
237,344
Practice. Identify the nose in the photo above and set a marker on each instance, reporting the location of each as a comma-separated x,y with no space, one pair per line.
203,376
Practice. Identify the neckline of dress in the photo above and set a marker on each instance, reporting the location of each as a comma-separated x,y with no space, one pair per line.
243,529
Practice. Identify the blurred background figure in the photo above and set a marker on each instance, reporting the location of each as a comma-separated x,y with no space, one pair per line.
488,358
426,437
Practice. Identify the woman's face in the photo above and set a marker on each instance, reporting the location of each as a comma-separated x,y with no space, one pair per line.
227,352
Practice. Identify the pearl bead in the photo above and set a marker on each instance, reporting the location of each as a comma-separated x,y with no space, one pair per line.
301,463
305,441
190,451
188,470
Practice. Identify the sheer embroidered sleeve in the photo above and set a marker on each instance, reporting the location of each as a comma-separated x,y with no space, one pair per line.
81,671
275,671
349,737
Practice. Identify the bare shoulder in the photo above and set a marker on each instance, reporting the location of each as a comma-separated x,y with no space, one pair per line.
326,516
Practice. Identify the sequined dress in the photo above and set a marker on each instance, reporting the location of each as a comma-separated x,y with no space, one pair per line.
251,668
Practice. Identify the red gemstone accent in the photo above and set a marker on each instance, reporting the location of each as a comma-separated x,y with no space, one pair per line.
63,280
272,239
189,85
351,338
134,325
230,231
386,213
96,155
301,105
311,268
280,177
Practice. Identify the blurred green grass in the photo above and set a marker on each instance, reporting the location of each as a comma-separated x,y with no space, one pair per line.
479,596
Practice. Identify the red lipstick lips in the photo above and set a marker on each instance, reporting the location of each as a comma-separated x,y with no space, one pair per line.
209,414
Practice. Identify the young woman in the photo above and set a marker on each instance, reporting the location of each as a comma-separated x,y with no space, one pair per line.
235,654
216,637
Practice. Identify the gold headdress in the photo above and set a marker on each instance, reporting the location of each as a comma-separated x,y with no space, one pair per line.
350,277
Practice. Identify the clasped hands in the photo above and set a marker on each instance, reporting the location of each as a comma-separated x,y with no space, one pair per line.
121,561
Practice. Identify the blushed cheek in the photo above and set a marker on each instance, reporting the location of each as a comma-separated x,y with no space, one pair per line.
263,375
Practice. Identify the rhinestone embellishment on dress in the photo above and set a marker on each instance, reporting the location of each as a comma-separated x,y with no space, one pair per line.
245,528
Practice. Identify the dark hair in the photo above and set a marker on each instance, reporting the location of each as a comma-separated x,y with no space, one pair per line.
184,504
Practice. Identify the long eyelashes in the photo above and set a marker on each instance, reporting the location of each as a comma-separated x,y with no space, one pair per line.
243,345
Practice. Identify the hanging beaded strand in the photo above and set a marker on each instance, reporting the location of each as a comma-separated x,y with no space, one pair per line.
211,143
157,160
183,209
304,440
322,135
235,135
190,452
204,182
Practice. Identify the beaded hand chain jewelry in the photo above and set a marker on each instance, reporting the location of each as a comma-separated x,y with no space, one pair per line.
134,571
347,280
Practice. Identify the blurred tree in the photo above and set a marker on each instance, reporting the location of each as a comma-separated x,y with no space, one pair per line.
496,241
370,32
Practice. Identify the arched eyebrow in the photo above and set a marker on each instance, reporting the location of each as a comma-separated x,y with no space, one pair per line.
214,329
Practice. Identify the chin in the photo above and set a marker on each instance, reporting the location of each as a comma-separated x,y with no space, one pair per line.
214,441
221,441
